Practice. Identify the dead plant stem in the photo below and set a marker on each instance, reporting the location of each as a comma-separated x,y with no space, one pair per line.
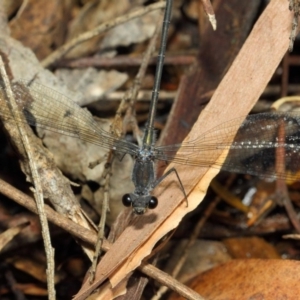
38,191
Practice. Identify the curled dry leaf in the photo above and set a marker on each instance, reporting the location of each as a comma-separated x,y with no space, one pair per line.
91,83
250,72
135,31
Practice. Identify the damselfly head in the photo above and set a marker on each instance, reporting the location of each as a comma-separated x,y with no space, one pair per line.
139,203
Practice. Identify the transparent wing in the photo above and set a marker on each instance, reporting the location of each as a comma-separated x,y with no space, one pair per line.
48,109
253,150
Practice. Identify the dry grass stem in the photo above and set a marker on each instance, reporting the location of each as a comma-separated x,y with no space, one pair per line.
38,190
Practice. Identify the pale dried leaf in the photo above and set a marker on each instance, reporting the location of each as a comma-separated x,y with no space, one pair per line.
135,31
91,83
24,65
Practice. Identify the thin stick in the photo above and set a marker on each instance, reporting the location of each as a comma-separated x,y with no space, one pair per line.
86,235
101,226
170,282
38,191
90,237
124,61
96,31
208,8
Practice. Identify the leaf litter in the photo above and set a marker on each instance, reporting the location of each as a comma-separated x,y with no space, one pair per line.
143,233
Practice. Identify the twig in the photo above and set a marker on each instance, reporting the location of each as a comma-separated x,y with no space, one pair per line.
96,31
101,226
170,282
38,191
56,218
18,295
143,95
281,188
280,165
90,237
124,61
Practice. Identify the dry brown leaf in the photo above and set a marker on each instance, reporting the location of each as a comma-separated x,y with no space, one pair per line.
251,279
39,25
240,89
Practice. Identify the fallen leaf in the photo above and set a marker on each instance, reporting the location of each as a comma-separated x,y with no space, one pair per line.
251,279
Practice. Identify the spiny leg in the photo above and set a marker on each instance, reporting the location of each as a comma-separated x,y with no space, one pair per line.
159,180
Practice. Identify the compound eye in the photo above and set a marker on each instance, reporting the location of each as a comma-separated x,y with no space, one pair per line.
153,202
126,200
